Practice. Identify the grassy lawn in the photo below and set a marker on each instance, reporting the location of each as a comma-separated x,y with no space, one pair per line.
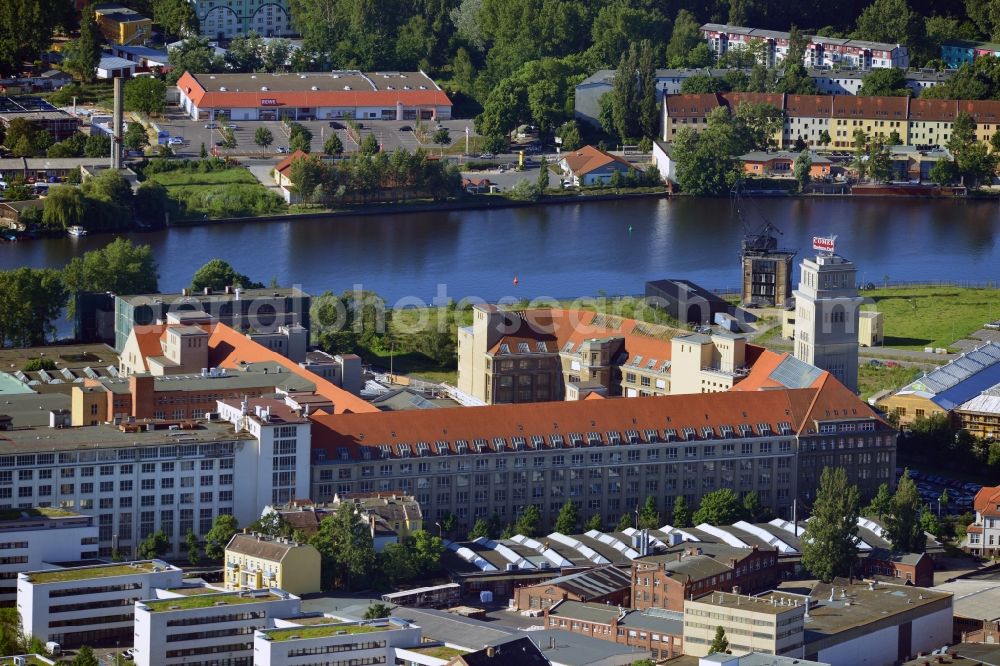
918,317
179,179
439,651
871,379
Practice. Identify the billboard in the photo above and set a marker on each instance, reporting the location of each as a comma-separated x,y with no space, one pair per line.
824,243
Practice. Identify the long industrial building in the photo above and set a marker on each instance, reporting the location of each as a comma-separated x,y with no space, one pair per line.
313,96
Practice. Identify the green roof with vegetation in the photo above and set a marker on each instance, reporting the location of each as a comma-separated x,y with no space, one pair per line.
84,573
439,651
30,660
36,512
206,601
320,631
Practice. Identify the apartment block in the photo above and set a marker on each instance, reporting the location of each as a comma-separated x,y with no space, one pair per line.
205,627
823,52
255,561
666,579
771,623
30,537
372,642
89,605
606,455
957,52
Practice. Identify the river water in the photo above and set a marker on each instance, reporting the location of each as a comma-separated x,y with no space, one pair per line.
565,250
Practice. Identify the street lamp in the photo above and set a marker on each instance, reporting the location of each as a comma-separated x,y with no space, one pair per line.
440,530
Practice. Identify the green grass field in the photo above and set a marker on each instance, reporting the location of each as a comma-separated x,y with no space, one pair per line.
187,180
871,379
918,317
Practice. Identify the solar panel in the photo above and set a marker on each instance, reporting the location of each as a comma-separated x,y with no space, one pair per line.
793,373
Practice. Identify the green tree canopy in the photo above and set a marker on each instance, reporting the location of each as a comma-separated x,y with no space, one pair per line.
85,657
480,529
529,521
333,145
903,524
192,549
120,267
720,644
145,94
219,536
719,507
649,516
681,514
884,82
829,543
377,611
194,54
64,207
154,546
881,505
83,54
176,17
568,519
217,274
263,137
345,544
30,300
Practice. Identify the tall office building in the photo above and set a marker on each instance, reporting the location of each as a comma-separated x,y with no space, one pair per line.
826,314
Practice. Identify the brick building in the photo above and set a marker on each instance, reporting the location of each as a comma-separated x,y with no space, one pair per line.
607,584
659,632
666,580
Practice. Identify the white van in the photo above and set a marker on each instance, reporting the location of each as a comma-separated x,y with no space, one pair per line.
53,648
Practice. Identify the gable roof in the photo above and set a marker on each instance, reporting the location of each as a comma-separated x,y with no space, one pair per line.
987,501
263,547
593,582
961,379
588,159
286,164
519,651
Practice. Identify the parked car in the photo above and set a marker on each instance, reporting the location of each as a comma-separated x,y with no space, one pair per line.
233,126
335,125
129,654
210,125
486,156
405,128
282,149
175,141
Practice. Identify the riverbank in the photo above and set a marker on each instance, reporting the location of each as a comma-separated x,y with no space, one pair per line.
470,202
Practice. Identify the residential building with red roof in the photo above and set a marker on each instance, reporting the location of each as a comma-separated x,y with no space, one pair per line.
313,96
983,535
283,169
589,166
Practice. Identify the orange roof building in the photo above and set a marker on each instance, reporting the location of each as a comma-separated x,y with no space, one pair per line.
314,95
983,535
593,166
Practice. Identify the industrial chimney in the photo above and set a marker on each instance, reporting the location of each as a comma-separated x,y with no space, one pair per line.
117,135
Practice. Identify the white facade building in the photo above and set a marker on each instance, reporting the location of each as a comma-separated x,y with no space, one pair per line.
84,605
225,19
205,628
140,477
826,316
344,643
38,536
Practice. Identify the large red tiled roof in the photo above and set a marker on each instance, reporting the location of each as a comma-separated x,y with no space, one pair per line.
808,106
691,105
354,432
307,99
933,109
227,348
776,100
889,108
589,158
287,163
987,501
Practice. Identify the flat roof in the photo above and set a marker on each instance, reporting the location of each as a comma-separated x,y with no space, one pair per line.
99,571
768,603
208,600
11,518
977,599
316,81
324,630
244,295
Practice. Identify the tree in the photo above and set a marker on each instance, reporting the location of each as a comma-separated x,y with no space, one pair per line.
176,17
929,522
681,515
753,510
219,536
569,518
84,53
944,500
624,523
218,274
26,28
569,133
145,94
300,138
369,145
120,267
829,543
884,82
272,524
494,143
85,657
480,529
529,521
345,544
333,145
704,83
649,516
719,507
803,163
824,138
881,505
977,165
890,21
194,54
720,645
97,145
944,172
705,163
30,300
64,207
794,78
203,152
263,138
191,548
903,524
154,546
760,122
879,160
649,117
377,611
684,48
26,138
594,523
449,522
624,96
135,137
442,138
543,174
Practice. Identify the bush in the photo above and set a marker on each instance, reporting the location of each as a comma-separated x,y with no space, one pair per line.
232,200
36,364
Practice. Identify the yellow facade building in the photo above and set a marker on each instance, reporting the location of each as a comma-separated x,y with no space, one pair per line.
255,561
122,25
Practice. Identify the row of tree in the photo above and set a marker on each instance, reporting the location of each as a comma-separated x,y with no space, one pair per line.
398,176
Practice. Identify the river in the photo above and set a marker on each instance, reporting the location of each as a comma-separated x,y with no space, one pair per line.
565,250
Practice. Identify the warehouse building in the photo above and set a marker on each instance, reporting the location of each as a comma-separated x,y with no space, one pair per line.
314,96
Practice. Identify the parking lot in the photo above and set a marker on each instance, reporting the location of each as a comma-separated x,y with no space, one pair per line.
391,134
930,487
